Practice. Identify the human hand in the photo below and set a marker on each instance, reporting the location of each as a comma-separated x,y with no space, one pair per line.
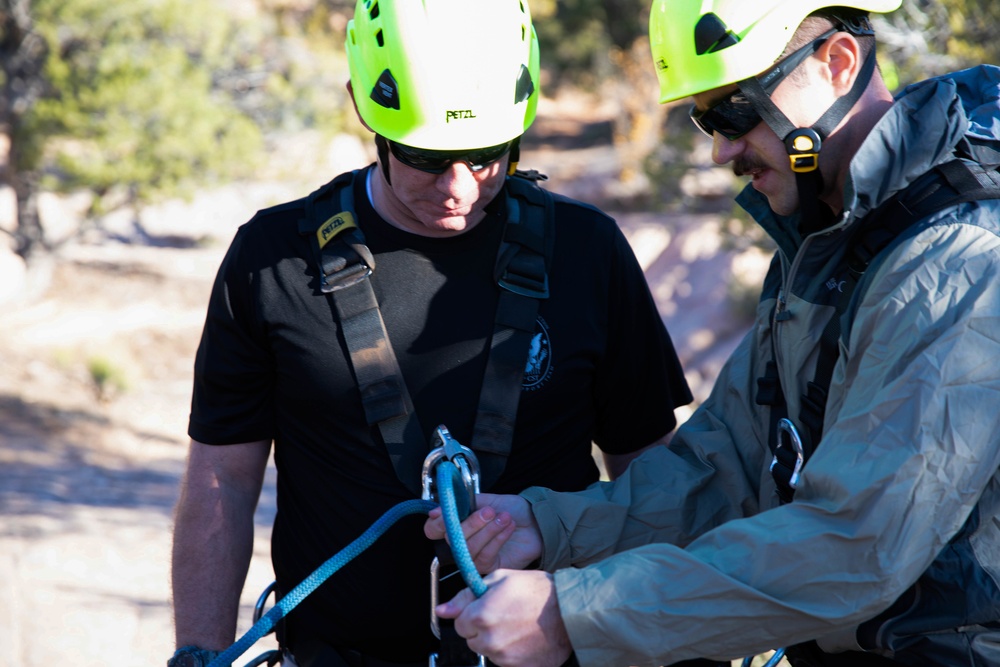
501,533
516,623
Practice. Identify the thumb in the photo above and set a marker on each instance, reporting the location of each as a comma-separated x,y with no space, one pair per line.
454,607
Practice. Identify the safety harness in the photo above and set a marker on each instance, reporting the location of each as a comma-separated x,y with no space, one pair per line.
450,480
972,175
345,267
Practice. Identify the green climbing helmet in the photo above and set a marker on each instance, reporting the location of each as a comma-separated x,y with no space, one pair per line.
444,74
699,45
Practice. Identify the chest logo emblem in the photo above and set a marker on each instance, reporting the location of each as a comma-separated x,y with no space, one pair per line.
538,369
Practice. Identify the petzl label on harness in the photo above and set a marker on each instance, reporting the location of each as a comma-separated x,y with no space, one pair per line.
334,225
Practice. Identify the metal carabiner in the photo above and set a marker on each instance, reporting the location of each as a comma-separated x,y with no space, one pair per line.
273,656
786,427
435,624
447,448
435,594
258,608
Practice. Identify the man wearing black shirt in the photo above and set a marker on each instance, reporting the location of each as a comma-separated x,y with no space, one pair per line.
275,362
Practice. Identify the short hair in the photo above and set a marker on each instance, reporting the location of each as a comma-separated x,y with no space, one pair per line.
846,19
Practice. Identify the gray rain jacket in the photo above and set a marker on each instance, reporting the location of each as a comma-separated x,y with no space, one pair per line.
892,543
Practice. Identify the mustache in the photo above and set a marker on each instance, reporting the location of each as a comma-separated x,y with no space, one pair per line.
747,164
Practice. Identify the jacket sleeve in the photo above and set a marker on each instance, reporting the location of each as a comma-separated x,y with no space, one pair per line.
668,494
912,440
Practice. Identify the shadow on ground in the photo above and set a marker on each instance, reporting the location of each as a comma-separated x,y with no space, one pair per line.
49,476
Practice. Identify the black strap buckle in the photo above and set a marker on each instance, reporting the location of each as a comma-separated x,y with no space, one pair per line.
524,274
345,259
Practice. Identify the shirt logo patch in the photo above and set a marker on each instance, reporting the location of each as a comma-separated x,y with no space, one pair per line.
538,370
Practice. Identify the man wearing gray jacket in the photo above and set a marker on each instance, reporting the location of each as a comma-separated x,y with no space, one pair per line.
838,494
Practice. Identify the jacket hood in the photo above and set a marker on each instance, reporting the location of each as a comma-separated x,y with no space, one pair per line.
908,141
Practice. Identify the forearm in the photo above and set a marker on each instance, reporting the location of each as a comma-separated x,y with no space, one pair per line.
211,556
662,497
213,544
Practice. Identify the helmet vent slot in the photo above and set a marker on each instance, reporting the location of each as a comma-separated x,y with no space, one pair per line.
380,38
386,91
525,87
711,34
373,12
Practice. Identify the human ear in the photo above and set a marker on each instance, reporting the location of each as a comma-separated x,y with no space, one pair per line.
841,58
350,93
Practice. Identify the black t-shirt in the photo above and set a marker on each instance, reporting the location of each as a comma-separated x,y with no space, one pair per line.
272,364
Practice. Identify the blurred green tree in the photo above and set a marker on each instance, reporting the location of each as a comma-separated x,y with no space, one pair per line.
23,54
926,38
137,100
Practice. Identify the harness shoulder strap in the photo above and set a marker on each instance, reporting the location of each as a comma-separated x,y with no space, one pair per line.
949,184
521,273
345,265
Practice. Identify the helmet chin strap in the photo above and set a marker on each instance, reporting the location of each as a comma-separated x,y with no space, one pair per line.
514,156
804,143
382,146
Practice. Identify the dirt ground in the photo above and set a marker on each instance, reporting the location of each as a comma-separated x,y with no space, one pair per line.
89,470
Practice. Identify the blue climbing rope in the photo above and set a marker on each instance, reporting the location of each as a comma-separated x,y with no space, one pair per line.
771,662
448,477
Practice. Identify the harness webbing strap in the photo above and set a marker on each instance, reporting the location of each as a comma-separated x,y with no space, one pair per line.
521,274
345,265
375,365
951,183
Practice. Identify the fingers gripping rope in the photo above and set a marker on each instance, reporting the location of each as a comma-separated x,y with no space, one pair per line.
448,477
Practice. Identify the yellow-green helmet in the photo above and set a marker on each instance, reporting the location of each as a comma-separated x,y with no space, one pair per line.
444,74
699,45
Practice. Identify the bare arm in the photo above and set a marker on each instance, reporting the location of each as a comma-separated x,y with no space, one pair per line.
213,540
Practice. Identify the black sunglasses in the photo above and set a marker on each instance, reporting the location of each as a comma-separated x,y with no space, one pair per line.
436,162
735,115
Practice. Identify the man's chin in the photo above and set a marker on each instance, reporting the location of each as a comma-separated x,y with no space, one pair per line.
781,202
449,224
458,221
